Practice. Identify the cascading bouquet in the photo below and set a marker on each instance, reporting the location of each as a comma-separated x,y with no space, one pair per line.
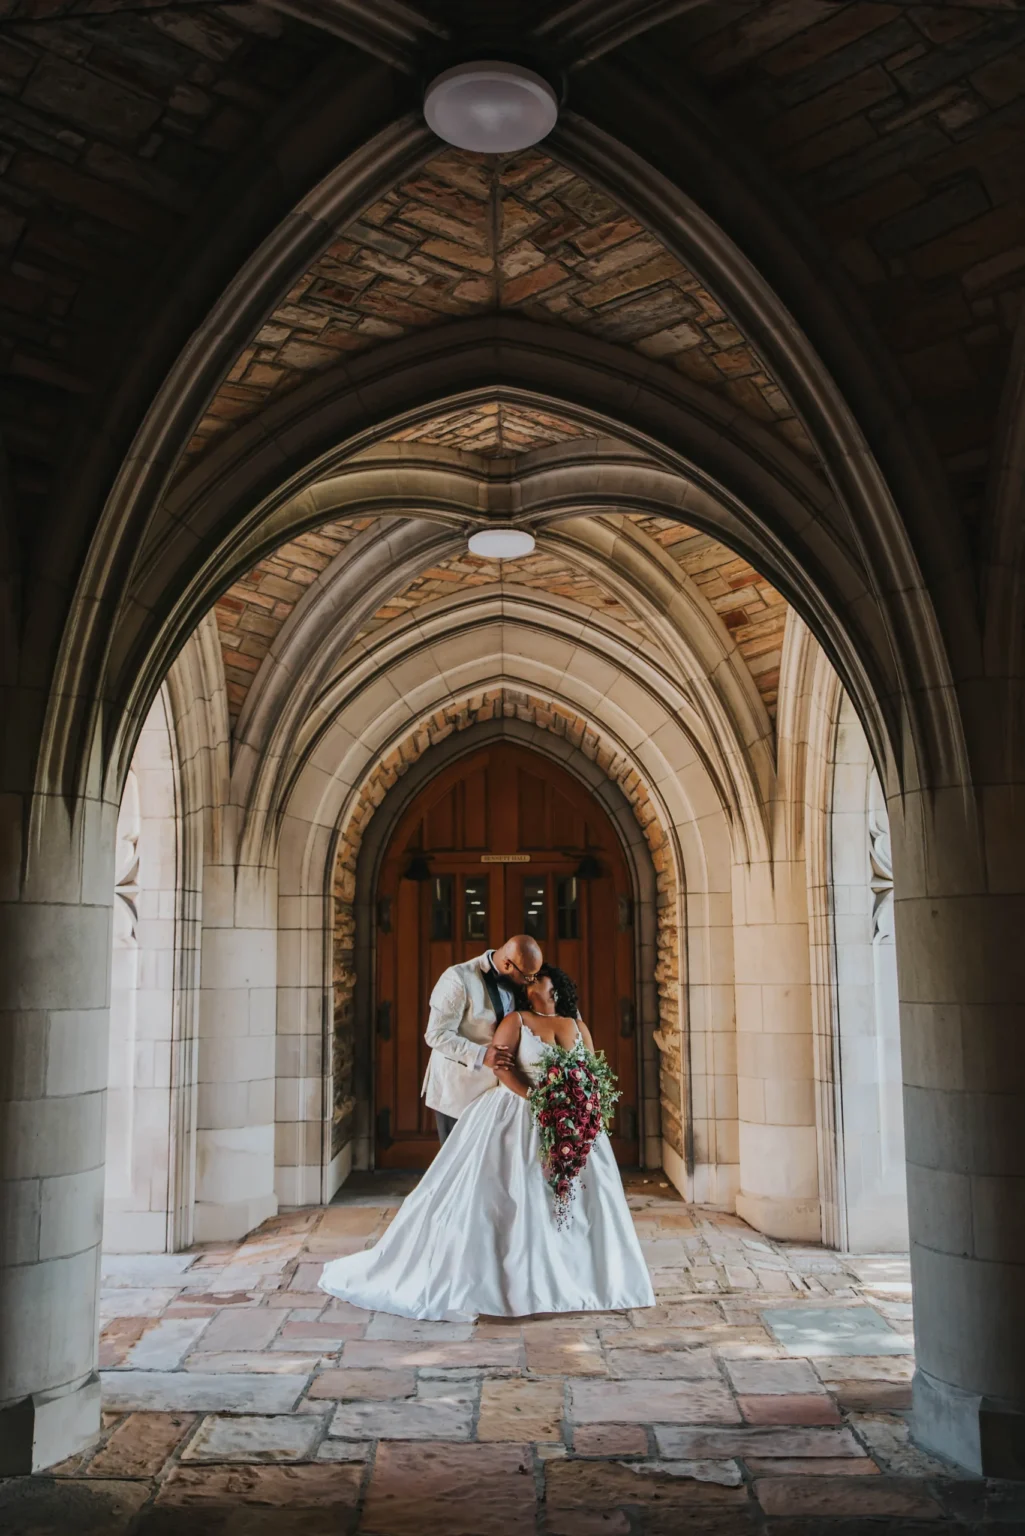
572,1104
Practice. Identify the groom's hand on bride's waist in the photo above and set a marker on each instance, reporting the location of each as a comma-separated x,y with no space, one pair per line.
499,1058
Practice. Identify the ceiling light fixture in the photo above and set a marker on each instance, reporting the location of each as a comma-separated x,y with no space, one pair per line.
491,107
502,543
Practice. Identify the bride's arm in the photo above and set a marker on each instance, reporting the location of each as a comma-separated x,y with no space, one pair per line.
508,1035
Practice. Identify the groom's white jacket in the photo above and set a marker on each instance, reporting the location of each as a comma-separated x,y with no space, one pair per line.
462,1021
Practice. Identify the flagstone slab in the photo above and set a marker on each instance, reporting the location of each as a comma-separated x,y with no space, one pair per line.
385,1325
126,1302
241,1328
663,1252
778,1377
338,1311
680,1444
520,1410
218,1299
857,1330
810,1466
406,1419
610,1440
461,1490
872,1396
141,1444
328,1337
444,1387
312,1299
391,1354
165,1346
310,1486
344,1450
362,1386
119,1336
307,1275
772,1408
652,1402
893,1368
568,1353
144,1269
184,1391
349,1221
607,1484
274,1437
727,1473
253,1361
666,1364
867,1497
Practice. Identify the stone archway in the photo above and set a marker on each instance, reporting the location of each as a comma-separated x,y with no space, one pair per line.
659,909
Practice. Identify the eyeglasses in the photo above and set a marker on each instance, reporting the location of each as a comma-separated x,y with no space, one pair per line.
527,977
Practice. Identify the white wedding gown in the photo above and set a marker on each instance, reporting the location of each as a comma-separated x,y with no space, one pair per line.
478,1234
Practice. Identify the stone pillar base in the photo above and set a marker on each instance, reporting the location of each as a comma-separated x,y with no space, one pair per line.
796,1220
675,1170
980,1433
46,1428
216,1223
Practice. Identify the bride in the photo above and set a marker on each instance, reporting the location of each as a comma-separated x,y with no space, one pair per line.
478,1233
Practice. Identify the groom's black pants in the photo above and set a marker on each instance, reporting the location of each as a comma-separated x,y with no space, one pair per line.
445,1124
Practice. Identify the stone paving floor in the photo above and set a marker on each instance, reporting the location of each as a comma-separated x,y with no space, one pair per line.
766,1393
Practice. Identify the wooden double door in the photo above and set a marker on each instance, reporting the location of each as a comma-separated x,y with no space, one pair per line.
502,842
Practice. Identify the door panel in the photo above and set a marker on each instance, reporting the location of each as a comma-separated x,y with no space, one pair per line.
497,841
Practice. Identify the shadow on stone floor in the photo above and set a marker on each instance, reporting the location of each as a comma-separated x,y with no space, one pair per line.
578,1505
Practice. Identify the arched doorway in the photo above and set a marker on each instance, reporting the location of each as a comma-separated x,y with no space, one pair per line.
502,841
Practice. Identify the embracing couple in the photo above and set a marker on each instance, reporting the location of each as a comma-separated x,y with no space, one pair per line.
477,1235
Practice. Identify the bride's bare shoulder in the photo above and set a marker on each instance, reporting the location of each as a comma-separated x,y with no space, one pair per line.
565,1030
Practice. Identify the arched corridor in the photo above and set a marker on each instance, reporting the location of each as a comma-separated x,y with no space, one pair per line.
738,736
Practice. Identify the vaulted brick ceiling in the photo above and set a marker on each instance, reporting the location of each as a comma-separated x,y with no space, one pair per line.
750,607
473,233
899,129
493,429
253,611
541,571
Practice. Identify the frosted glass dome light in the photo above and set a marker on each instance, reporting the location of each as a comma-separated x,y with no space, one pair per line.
502,543
491,107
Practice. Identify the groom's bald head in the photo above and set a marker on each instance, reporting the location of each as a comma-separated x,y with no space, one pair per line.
519,957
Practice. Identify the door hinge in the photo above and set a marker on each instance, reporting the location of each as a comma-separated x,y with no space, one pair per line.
384,914
627,1018
384,1021
626,912
383,1129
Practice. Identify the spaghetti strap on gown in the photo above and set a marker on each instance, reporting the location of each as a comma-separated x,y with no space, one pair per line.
478,1234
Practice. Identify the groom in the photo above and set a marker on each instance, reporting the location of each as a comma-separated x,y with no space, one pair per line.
468,1003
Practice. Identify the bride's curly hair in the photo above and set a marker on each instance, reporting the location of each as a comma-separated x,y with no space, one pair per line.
567,1002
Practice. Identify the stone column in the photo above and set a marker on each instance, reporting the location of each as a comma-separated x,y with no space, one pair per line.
55,950
959,866
779,1190
237,1011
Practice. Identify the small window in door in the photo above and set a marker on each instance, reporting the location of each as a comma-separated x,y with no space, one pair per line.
441,908
475,908
535,909
568,903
